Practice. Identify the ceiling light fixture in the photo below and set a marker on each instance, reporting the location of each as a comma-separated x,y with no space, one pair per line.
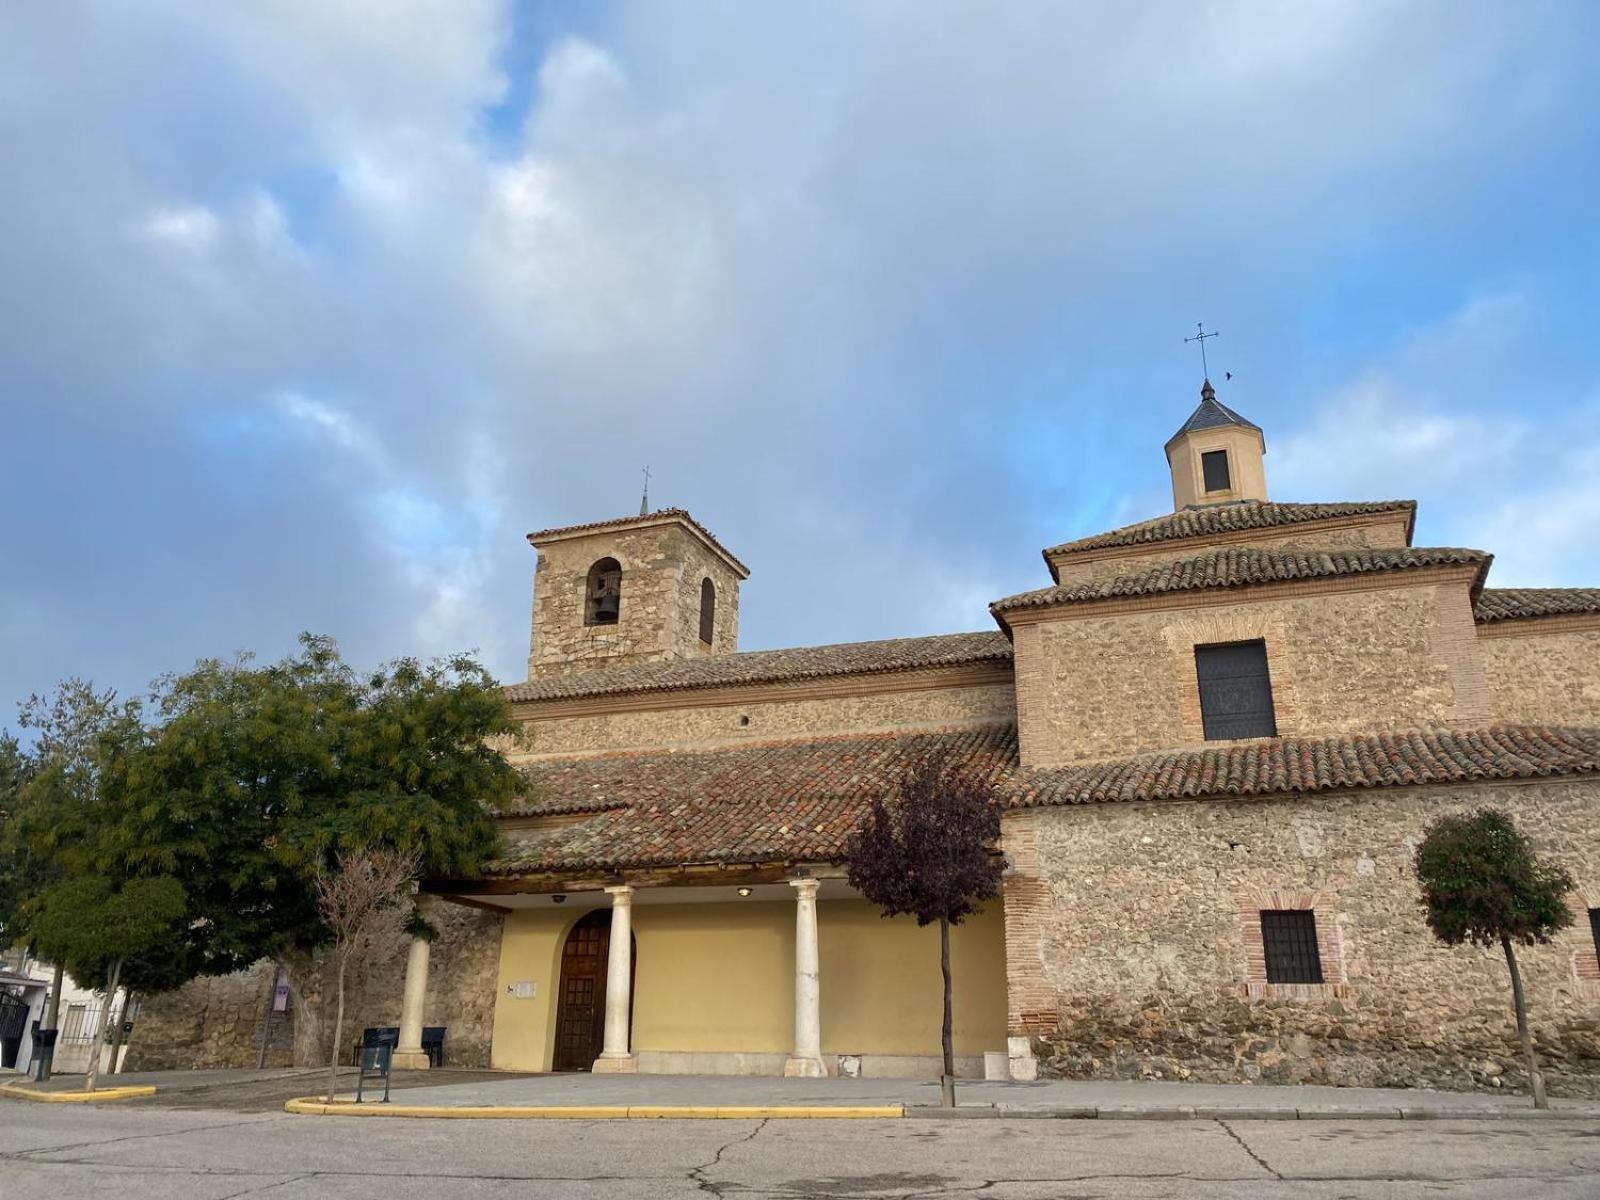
744,891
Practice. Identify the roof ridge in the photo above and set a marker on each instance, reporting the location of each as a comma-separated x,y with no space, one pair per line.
1204,520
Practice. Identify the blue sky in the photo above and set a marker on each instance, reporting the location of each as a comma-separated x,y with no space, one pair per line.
308,312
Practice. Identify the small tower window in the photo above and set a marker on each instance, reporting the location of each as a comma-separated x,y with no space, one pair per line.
1214,466
602,603
708,611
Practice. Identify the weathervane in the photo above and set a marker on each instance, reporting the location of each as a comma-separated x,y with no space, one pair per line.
644,503
1201,338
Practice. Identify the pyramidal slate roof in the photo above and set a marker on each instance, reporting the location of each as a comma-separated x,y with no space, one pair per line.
1208,520
1211,413
1243,567
773,666
1509,604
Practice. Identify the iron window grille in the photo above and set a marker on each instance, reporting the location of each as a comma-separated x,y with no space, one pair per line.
1235,691
1289,937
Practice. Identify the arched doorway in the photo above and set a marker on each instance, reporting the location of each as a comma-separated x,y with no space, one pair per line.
581,1000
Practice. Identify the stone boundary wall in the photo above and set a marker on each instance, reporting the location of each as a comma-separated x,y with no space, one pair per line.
1136,924
1543,670
215,1021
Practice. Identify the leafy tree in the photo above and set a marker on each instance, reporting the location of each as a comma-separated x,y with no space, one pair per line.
92,926
929,853
259,778
360,901
1483,883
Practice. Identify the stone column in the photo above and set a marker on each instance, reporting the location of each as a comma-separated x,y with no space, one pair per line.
408,1054
617,1057
806,1058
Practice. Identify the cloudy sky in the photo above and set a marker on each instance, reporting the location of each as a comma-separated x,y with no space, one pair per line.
310,309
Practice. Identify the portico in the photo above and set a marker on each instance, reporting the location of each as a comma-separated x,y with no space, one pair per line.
792,976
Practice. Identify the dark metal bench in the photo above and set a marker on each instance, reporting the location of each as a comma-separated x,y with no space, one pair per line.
389,1035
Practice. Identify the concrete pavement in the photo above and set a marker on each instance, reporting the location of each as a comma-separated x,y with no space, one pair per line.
138,1151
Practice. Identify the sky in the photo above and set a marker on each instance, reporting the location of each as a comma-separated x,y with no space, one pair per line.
310,311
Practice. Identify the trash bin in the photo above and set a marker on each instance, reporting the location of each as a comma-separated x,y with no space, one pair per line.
44,1050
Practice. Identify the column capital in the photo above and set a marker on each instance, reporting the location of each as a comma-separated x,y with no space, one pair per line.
620,893
806,887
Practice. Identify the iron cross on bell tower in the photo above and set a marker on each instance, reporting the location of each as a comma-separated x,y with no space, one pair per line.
1201,337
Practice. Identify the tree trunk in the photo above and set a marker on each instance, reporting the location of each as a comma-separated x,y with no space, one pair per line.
338,1028
947,1081
1535,1079
305,989
51,1012
93,1075
266,1013
116,1034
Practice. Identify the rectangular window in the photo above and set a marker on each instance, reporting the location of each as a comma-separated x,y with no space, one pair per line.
1594,931
1235,691
1290,939
1214,466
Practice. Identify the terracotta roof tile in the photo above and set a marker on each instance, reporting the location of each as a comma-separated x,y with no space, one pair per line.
1243,568
800,800
775,801
1508,604
773,666
1288,765
649,518
1212,519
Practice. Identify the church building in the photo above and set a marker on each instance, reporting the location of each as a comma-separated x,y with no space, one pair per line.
1219,733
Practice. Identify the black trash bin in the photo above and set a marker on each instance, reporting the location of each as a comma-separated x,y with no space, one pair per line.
44,1050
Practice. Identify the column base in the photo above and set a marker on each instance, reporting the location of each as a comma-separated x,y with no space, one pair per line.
796,1067
1024,1066
409,1060
622,1064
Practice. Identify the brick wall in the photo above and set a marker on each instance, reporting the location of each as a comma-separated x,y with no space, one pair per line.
1141,916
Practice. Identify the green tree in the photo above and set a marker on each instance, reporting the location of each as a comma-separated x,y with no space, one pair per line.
931,854
1483,883
260,778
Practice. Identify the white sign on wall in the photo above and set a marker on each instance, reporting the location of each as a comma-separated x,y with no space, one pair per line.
523,989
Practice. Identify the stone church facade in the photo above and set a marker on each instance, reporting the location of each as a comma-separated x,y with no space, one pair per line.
1219,734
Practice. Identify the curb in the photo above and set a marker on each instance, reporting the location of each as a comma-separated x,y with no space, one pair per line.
1184,1112
311,1106
41,1097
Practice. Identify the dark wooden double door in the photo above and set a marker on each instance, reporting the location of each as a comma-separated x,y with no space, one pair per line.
581,1002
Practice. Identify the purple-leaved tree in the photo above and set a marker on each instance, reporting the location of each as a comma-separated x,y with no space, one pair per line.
929,851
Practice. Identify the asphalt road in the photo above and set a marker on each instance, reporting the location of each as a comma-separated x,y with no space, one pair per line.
135,1149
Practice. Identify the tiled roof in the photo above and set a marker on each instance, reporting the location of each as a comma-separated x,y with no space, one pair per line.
776,801
1211,519
773,666
800,800
649,518
1243,568
1288,764
1507,604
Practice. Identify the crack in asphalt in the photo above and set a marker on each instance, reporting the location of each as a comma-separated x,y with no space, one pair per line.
697,1175
1245,1146
134,1137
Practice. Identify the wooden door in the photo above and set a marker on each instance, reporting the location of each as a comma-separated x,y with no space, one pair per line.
581,1008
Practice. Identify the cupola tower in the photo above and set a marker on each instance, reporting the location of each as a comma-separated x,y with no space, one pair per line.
1216,456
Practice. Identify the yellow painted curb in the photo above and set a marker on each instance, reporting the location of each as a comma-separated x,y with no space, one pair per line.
111,1093
312,1106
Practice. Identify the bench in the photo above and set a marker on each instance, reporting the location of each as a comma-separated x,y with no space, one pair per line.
389,1035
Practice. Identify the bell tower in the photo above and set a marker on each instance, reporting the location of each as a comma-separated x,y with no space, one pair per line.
1216,456
648,589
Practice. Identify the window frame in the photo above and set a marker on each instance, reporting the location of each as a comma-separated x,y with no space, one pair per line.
1213,723
1281,928
1219,454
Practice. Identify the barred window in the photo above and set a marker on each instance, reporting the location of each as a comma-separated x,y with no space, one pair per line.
1235,691
1290,939
1214,466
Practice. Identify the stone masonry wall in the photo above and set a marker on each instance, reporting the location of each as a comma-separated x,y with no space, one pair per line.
216,1021
1139,944
1385,532
1544,671
1393,657
659,616
732,723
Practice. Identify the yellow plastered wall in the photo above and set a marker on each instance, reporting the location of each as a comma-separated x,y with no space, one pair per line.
720,978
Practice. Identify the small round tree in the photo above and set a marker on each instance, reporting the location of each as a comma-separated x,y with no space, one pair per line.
929,852
1483,883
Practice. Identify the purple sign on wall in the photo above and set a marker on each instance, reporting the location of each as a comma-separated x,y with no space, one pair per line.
280,994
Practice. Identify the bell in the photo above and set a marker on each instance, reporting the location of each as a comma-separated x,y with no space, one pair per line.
606,606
